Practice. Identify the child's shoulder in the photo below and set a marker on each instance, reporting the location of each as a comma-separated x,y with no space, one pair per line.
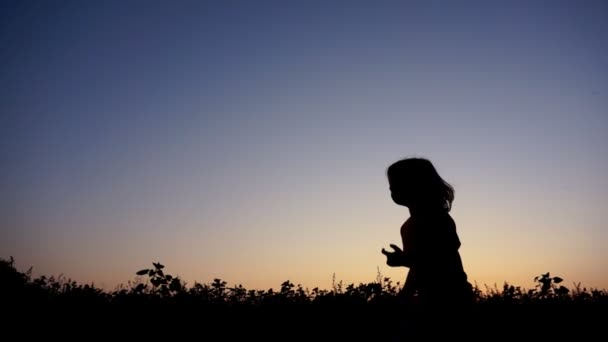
443,219
448,218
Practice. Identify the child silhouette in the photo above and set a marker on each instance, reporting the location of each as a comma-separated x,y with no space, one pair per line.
430,242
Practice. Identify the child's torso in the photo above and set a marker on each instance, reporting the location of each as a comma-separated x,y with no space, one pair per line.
432,243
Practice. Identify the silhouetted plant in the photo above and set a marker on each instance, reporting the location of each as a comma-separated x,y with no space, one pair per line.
547,286
218,290
160,287
165,285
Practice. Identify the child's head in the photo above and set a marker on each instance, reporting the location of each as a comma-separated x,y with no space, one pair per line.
414,182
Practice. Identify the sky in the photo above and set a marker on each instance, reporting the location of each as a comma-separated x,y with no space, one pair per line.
249,140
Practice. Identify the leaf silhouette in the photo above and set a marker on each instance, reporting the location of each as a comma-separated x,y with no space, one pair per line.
175,285
557,280
142,272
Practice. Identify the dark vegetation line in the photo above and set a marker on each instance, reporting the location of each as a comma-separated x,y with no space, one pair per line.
158,304
154,285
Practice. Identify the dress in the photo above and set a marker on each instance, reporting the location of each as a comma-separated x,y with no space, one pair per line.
436,275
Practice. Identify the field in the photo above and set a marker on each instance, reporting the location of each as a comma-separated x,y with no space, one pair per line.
158,303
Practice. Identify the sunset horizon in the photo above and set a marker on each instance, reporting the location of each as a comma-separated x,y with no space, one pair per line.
249,141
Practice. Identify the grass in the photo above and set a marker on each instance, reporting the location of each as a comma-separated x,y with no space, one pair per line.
355,310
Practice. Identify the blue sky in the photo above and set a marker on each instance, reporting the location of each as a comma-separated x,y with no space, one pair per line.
248,140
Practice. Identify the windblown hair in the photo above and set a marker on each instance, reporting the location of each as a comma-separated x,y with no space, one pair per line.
421,178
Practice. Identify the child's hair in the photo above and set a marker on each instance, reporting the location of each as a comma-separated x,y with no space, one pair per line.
423,181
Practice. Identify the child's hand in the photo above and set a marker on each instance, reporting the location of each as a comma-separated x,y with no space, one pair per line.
394,258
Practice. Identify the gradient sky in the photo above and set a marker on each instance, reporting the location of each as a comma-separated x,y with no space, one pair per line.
248,141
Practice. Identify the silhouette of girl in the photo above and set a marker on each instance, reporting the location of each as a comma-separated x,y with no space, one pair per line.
430,242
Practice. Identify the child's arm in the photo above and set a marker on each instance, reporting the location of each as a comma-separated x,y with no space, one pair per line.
396,258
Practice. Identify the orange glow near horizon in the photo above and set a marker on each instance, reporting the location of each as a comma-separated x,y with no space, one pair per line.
249,141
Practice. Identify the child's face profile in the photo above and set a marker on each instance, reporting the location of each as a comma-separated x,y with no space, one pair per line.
398,193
